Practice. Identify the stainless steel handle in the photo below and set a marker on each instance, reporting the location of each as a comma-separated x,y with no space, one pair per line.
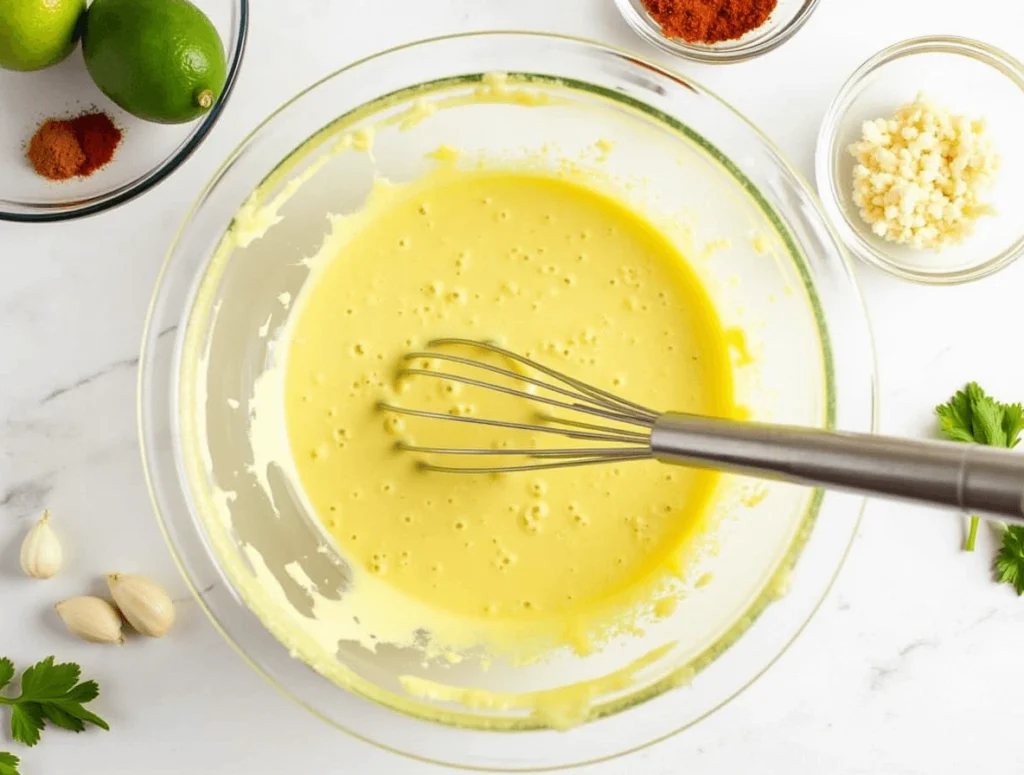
981,480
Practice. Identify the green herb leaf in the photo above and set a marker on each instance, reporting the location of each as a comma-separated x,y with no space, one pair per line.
27,722
81,713
973,416
87,691
8,763
49,693
61,718
956,418
1013,424
1009,564
47,681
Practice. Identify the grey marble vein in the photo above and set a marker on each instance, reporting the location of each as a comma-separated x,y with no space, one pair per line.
883,673
880,676
984,617
27,494
921,643
125,363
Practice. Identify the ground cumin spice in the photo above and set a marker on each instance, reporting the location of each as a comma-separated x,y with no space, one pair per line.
709,21
66,148
54,150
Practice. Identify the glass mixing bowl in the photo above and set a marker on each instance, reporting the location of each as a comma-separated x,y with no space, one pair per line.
239,530
148,154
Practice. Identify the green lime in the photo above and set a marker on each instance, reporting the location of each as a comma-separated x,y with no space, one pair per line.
38,33
160,60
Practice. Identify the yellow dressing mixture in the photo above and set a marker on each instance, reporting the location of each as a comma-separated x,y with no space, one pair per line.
544,266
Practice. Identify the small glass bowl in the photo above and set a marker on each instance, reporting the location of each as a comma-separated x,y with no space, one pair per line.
788,17
148,154
965,77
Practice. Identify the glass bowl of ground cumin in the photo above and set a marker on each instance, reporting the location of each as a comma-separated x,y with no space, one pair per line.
716,31
67,151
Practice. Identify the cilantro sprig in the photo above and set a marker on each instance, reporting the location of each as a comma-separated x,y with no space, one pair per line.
1009,564
973,416
50,693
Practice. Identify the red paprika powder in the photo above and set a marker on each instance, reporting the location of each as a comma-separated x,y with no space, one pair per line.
99,138
77,147
709,21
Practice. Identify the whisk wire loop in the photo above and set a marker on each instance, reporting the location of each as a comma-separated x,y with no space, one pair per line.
620,443
591,390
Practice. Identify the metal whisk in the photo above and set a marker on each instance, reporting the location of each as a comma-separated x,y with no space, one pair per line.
971,477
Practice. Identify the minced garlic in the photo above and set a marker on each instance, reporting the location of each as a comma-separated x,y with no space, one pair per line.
920,175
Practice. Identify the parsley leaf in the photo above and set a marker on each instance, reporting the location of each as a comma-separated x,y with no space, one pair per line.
973,416
49,693
8,763
1009,564
26,722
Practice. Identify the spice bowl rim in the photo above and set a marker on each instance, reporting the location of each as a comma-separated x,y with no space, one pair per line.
726,52
73,208
827,149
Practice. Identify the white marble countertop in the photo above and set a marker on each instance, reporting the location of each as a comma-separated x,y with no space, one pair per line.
912,666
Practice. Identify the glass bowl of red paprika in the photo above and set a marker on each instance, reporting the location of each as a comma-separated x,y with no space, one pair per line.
57,114
716,33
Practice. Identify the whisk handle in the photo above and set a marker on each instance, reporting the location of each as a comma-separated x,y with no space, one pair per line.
967,476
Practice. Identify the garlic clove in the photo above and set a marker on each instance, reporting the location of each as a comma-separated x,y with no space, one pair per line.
144,603
41,552
91,618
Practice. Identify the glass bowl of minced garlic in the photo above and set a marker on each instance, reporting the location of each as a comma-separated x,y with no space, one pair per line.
920,164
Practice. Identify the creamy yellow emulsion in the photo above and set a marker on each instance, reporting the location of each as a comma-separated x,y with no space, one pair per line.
546,267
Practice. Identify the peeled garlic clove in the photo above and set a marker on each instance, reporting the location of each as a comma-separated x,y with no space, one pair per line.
144,603
91,618
41,553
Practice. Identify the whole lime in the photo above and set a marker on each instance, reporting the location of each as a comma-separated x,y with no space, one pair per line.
38,33
160,60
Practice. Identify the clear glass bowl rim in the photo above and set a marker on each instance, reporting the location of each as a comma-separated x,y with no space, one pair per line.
647,29
166,168
826,151
151,335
